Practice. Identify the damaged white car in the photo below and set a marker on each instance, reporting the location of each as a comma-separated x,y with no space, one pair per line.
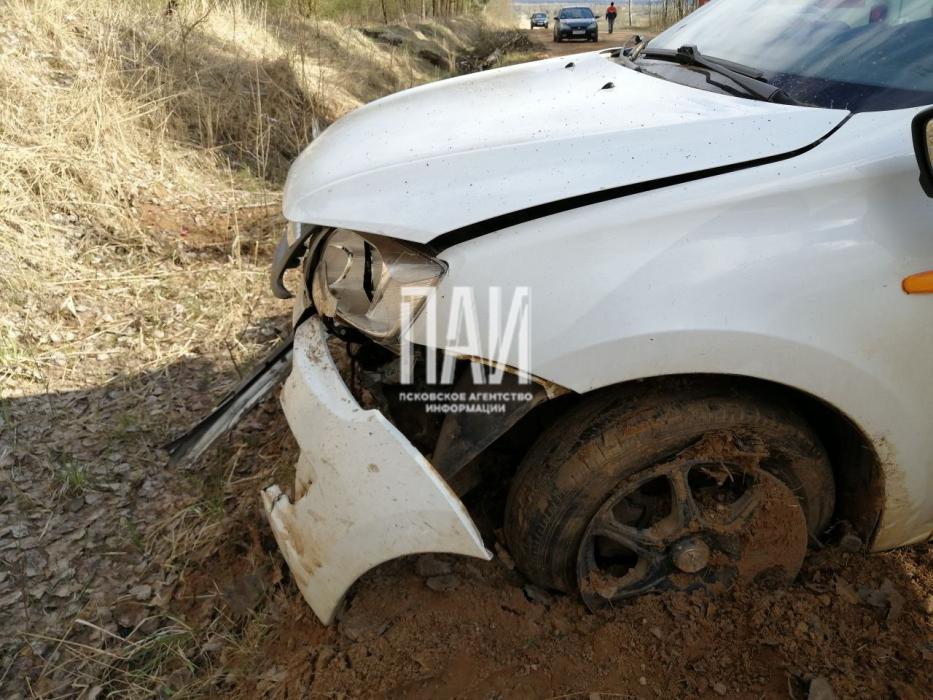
669,298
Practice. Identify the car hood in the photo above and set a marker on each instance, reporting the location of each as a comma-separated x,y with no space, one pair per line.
449,154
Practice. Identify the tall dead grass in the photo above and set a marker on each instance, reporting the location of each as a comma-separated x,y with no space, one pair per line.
112,110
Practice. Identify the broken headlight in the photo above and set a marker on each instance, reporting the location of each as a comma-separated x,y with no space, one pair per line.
363,280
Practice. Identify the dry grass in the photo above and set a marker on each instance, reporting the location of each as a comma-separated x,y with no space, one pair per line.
85,150
112,114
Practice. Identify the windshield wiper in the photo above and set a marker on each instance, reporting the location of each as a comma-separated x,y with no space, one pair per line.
749,79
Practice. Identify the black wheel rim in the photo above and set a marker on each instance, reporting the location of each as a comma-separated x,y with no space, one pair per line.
704,519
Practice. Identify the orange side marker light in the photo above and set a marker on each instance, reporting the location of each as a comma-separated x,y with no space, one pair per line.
921,283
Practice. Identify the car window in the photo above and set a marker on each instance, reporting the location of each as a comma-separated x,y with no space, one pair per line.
576,13
855,54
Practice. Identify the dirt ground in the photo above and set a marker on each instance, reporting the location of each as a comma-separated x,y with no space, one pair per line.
544,39
449,627
480,632
123,577
133,579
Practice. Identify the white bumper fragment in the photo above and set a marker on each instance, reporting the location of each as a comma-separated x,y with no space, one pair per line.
364,494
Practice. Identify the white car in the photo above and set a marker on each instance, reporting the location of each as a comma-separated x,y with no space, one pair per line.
711,255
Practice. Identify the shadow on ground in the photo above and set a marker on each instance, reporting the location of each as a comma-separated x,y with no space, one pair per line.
96,532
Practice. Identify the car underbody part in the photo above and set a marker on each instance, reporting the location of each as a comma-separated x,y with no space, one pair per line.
265,377
463,436
709,518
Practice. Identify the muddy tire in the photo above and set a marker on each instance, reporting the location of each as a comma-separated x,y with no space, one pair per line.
577,464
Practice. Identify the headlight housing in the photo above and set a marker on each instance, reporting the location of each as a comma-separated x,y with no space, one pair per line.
362,279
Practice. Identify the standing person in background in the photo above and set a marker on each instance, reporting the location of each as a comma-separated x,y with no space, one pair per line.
611,15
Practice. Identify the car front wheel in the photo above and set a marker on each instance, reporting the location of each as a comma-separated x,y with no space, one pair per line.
668,490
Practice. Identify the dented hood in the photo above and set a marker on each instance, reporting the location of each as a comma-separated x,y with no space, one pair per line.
429,160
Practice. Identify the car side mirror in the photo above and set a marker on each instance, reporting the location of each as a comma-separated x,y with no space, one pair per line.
627,52
556,17
923,145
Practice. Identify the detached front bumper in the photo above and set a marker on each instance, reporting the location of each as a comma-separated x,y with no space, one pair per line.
363,493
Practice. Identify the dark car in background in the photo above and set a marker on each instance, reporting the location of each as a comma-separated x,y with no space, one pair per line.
575,23
539,19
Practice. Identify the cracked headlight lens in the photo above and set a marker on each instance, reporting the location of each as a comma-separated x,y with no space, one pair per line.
362,280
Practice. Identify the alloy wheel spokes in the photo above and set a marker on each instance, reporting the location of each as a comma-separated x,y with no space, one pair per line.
743,508
686,513
641,541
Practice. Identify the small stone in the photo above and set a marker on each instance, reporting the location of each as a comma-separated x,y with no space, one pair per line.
244,592
129,618
324,655
719,688
65,590
847,592
213,645
34,562
503,556
656,631
928,605
12,597
872,596
359,627
642,680
73,505
443,583
142,592
887,596
820,689
430,565
149,625
536,594
851,542
895,600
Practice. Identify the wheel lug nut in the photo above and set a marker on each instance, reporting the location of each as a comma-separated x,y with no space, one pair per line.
690,555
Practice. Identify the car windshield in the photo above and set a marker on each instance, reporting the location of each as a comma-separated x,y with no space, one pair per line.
576,13
538,15
859,55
